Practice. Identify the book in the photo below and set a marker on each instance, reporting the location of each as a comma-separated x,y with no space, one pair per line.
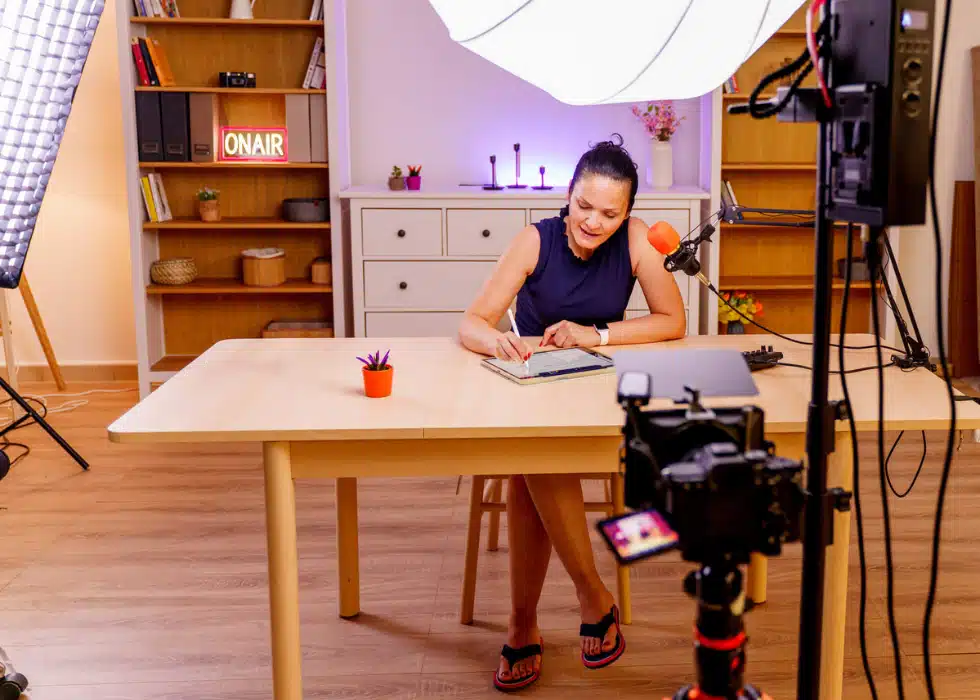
314,57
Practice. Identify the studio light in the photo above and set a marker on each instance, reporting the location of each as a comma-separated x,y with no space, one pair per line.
44,45
586,52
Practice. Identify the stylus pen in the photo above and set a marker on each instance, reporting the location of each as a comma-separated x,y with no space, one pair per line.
513,325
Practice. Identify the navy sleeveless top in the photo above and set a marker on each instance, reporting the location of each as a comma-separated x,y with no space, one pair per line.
563,286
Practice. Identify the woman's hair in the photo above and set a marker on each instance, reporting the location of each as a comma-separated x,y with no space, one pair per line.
611,160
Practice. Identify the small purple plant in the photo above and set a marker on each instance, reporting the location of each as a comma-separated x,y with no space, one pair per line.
375,362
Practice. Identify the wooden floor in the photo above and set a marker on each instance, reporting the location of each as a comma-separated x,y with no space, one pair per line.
145,578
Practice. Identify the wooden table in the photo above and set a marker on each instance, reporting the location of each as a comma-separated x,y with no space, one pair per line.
303,400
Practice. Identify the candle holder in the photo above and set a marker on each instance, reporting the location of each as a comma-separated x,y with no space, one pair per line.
542,186
493,171
517,169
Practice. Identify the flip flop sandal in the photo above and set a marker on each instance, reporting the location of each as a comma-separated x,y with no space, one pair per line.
513,656
599,630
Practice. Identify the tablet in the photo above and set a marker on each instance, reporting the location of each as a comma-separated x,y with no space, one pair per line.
552,365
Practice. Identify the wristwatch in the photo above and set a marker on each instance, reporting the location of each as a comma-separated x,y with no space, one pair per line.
603,330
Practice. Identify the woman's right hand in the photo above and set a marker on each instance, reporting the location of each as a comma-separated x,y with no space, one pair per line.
511,348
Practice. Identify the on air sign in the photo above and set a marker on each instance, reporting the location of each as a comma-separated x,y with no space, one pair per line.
254,144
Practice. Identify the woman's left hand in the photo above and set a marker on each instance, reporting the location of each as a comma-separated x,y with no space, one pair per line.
566,334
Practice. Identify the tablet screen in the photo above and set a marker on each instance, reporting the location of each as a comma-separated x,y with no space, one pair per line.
554,363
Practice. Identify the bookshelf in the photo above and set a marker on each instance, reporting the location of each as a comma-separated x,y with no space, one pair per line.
176,323
772,164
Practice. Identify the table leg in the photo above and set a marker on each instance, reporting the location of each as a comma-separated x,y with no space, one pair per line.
839,474
472,550
622,572
348,568
280,510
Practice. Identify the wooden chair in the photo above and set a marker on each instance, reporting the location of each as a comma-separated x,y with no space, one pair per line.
486,496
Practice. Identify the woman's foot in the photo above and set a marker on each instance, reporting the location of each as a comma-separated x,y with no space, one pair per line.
595,606
520,636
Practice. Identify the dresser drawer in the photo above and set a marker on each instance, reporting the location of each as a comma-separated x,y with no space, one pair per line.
539,214
401,232
482,231
422,285
412,324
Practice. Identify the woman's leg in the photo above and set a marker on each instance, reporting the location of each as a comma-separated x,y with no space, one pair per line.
530,551
560,504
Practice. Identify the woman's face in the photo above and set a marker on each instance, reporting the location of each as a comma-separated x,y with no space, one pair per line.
597,206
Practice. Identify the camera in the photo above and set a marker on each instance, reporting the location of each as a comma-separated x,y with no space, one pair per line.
710,475
707,483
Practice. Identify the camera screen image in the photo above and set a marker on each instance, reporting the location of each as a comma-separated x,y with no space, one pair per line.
638,535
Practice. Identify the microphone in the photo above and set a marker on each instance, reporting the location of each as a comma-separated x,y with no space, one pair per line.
678,255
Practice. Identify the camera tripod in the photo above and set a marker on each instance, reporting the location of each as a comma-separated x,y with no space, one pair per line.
719,635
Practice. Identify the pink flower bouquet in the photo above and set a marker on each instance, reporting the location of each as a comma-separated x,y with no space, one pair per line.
659,119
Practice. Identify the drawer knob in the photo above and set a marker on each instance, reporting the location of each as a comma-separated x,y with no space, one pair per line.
401,233
486,233
403,285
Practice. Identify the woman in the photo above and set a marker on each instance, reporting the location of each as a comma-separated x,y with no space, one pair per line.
572,275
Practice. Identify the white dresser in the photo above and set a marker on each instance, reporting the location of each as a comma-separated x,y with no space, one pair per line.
418,259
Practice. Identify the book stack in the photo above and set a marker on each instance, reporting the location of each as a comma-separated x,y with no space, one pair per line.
317,10
155,198
316,71
152,66
156,8
730,86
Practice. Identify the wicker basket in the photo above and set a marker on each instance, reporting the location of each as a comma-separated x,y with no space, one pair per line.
173,271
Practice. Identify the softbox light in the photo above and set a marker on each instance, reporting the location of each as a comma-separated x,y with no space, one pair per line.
607,51
43,47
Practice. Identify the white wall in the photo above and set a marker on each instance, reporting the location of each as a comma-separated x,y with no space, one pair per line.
954,161
417,97
78,261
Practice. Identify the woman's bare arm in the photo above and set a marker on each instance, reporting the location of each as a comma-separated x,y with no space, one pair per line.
478,331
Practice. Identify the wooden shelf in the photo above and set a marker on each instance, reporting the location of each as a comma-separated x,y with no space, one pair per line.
172,363
212,285
234,91
224,22
213,165
738,96
768,167
773,283
231,222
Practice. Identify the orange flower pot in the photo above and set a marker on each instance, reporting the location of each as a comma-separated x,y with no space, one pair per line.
377,383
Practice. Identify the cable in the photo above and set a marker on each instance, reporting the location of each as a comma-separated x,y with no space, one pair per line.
871,253
786,337
856,473
922,461
811,45
934,567
837,371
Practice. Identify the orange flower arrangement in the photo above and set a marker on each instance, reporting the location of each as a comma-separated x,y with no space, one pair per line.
749,307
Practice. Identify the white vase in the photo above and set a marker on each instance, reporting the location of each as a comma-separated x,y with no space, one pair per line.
661,164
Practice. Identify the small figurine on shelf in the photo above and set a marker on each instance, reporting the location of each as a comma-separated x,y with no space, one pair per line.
207,204
377,374
396,181
414,179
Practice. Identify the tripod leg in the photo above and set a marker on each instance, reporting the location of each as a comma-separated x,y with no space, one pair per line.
42,334
43,423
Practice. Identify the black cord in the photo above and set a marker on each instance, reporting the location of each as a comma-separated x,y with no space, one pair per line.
837,371
934,567
856,473
786,337
922,461
871,253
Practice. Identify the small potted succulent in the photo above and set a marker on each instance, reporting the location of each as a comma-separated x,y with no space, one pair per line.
414,179
396,181
377,374
207,204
